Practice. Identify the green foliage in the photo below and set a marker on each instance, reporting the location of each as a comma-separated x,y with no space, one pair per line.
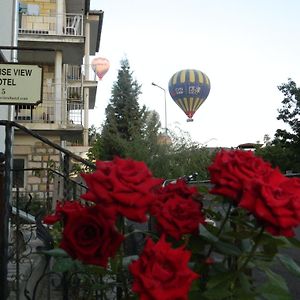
283,151
280,155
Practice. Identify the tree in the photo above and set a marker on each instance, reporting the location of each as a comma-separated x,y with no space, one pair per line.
124,117
283,151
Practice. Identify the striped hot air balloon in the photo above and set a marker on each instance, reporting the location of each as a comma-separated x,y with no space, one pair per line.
100,66
189,88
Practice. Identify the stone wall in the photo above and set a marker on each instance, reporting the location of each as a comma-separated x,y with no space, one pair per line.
45,21
46,7
39,183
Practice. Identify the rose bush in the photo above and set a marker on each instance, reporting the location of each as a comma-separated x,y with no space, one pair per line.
194,245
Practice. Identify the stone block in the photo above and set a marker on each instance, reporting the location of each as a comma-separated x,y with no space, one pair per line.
33,180
22,150
36,158
32,164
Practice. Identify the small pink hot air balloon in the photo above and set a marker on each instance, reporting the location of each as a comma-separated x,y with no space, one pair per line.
100,66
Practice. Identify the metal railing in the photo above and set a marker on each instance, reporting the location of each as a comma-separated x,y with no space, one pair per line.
16,248
73,72
75,112
68,110
45,112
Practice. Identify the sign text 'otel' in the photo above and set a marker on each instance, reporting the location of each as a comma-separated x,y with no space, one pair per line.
20,84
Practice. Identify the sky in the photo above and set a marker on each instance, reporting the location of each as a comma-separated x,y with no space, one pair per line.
246,48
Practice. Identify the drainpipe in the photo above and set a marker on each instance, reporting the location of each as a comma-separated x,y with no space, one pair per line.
15,29
86,91
14,43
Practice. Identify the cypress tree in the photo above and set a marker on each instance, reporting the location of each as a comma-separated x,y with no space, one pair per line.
124,117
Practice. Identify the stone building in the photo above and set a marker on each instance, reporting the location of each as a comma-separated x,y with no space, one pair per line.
59,36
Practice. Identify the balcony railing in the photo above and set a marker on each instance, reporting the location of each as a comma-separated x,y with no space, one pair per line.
67,24
67,110
75,112
46,112
73,72
43,113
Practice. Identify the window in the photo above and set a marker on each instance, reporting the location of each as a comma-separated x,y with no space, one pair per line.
18,173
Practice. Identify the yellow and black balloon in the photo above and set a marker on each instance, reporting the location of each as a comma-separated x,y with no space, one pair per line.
189,89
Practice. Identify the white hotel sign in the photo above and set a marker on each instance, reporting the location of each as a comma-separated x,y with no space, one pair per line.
20,84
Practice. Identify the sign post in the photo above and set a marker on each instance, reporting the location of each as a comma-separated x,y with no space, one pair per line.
20,84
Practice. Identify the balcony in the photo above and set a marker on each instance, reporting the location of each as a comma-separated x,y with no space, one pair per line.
51,32
65,25
75,80
65,111
45,113
62,112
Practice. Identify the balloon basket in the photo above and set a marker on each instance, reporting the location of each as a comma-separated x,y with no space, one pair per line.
189,120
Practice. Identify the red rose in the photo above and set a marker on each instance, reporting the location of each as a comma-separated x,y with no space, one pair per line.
61,211
89,233
255,186
275,204
162,273
124,184
176,212
231,169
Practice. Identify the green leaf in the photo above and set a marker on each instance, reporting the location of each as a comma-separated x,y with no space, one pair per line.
277,279
227,248
275,288
294,242
276,241
63,265
223,247
219,292
270,291
245,281
219,279
57,252
115,263
244,295
289,264
208,235
195,295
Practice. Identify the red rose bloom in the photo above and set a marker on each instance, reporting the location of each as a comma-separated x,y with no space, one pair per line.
61,211
124,184
231,169
89,233
276,206
162,273
176,212
254,185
